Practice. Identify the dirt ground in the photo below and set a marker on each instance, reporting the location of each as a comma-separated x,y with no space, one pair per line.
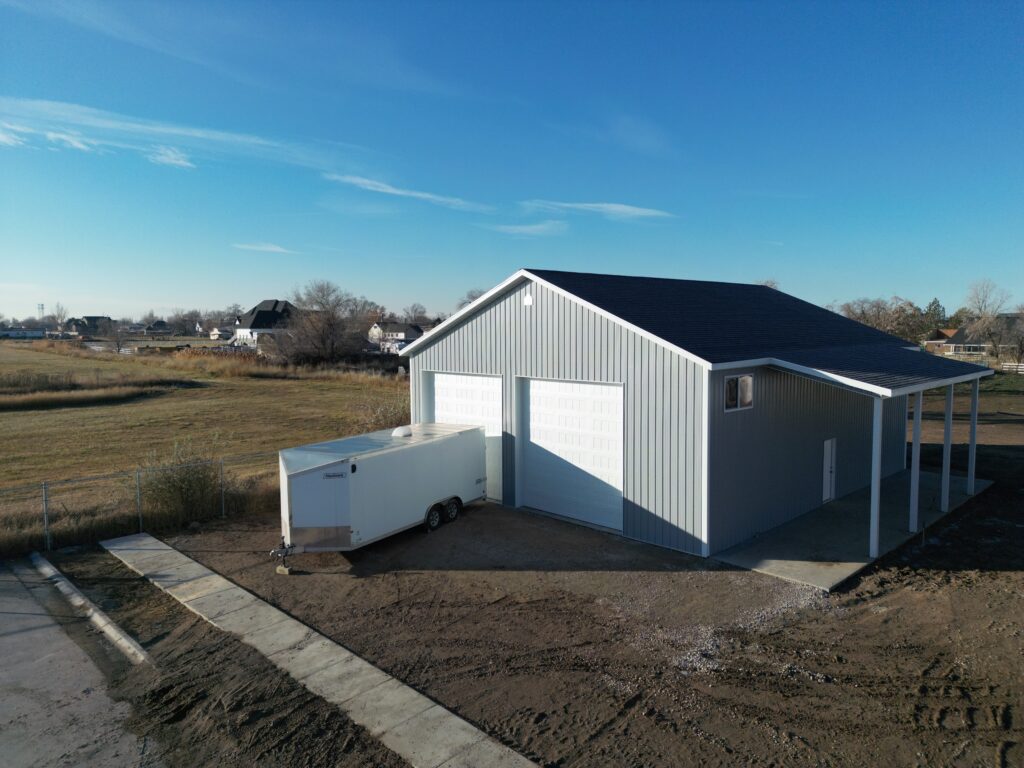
580,648
209,699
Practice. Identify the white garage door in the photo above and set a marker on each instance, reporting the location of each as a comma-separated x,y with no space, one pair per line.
571,461
476,400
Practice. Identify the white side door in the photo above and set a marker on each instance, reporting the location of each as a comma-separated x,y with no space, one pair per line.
571,456
828,471
474,400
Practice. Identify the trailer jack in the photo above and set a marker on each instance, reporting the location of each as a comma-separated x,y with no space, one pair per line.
282,552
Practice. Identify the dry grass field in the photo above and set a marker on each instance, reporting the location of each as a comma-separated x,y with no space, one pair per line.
100,414
237,414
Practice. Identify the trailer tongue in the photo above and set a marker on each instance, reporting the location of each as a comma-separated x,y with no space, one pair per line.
342,494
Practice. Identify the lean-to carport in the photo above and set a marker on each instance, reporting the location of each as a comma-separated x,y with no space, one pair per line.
880,373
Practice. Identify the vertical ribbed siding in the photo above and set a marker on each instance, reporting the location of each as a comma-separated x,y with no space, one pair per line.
557,338
754,486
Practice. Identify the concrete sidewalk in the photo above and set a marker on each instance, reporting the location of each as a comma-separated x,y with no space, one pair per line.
422,732
54,709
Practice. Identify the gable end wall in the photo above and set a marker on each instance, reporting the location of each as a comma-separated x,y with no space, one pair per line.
558,338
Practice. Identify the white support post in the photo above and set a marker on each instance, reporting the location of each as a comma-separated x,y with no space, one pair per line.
876,476
947,450
972,448
915,464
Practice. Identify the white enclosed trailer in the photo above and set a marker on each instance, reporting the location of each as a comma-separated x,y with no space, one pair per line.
342,494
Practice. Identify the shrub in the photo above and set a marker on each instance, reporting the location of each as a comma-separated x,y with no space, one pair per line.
180,488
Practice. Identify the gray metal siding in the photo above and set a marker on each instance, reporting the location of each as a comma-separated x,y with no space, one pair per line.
558,338
765,464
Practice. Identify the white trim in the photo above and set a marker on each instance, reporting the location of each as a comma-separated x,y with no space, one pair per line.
472,307
972,445
915,465
845,381
942,382
947,450
616,319
876,478
705,474
526,274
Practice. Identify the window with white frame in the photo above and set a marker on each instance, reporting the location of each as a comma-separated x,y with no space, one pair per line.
739,392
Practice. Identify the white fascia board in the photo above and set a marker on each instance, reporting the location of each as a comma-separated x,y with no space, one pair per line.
942,382
814,373
457,317
705,468
616,319
870,389
526,274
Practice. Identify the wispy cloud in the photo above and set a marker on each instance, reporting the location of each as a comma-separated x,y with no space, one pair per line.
372,185
80,127
71,141
10,138
222,39
144,25
613,211
540,229
262,247
170,156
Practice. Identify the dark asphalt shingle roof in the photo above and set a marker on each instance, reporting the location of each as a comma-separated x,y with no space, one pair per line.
719,322
731,322
881,365
267,314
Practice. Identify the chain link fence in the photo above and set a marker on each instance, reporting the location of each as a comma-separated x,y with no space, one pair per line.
59,513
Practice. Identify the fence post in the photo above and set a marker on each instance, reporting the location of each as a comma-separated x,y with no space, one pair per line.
223,508
138,496
46,517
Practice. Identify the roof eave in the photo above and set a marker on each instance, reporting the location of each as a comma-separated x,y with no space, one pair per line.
525,274
868,389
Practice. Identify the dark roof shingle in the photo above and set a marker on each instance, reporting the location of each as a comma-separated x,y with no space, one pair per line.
733,322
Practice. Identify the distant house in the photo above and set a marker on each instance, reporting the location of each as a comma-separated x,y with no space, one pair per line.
967,343
22,332
158,328
937,339
75,326
87,325
222,332
266,317
392,336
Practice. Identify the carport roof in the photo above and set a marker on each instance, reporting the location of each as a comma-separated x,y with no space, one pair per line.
732,325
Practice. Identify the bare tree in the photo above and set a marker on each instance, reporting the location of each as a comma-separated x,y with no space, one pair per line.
328,324
60,315
471,295
897,316
986,301
119,333
770,282
986,298
415,313
1015,335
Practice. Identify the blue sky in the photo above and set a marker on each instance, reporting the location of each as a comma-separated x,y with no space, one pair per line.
187,154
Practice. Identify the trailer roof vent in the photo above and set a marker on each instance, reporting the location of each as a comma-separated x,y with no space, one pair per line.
402,432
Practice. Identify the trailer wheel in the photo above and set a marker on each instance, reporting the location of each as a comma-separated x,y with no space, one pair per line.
433,521
452,508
